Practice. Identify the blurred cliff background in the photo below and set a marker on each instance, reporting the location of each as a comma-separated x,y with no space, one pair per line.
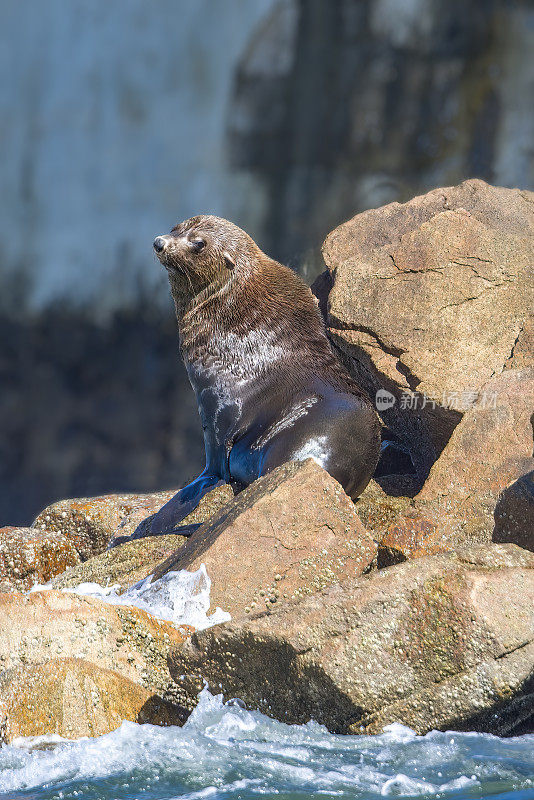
287,116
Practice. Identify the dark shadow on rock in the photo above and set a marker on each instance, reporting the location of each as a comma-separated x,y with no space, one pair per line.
421,431
157,711
395,472
268,675
388,557
395,458
514,513
512,717
271,676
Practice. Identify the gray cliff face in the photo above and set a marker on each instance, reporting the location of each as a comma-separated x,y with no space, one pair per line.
379,100
118,119
112,119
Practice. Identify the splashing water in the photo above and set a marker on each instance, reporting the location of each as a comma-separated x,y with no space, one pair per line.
182,597
225,751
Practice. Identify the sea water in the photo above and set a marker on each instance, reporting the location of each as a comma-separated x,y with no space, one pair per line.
227,751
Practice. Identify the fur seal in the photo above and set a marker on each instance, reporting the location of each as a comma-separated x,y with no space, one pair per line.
268,385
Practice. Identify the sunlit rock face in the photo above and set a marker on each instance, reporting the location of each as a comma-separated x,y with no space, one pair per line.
370,102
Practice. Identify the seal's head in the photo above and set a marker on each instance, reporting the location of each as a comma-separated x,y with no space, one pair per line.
224,286
203,250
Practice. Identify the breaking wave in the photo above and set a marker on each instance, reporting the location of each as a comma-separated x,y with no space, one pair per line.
225,751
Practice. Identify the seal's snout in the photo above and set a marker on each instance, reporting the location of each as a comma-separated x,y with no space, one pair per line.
160,243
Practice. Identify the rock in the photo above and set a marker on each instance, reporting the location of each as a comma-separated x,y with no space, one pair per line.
72,697
84,642
29,556
497,695
93,523
494,556
514,513
377,510
436,643
410,536
430,300
288,534
521,355
399,529
490,450
124,565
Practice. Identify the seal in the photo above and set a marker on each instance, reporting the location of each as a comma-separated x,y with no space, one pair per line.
268,385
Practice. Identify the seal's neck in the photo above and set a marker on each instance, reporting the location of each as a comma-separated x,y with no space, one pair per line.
207,325
200,317
250,325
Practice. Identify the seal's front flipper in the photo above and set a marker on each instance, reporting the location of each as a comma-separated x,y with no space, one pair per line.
169,517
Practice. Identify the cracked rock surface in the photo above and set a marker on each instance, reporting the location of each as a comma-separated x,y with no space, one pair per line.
434,296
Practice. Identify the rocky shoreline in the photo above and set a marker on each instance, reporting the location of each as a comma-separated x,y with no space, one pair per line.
414,605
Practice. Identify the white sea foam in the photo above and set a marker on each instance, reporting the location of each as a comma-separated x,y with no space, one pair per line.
399,733
182,597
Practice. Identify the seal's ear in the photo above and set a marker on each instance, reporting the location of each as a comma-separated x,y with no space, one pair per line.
229,260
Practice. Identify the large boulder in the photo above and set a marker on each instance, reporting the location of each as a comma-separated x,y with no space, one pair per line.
490,450
93,523
438,643
72,697
29,556
430,299
288,534
82,646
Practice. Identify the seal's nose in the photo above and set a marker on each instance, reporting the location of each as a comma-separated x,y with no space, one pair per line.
159,244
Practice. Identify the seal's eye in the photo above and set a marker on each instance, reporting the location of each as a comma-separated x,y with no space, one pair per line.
198,244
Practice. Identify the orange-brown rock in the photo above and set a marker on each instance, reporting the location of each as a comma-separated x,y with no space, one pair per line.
92,523
399,529
489,451
448,272
29,556
289,534
72,697
43,627
443,642
377,510
410,536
